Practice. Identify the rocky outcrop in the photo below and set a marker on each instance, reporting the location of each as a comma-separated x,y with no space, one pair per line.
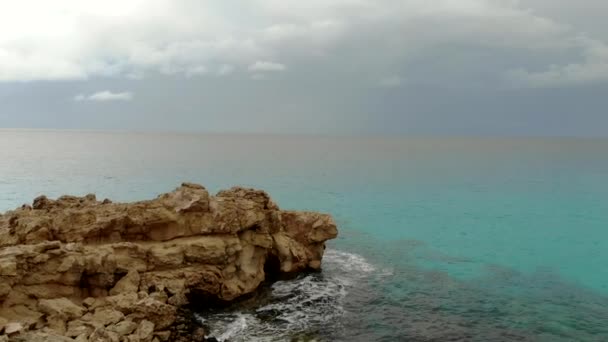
80,269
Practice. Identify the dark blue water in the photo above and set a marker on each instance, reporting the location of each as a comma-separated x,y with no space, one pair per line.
440,239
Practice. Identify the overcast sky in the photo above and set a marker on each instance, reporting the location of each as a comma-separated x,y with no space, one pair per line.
455,67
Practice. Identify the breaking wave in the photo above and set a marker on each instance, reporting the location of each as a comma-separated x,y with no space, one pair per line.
298,309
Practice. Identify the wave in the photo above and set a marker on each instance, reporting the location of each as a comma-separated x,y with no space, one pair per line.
301,307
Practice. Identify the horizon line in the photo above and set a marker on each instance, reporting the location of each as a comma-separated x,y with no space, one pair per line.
303,134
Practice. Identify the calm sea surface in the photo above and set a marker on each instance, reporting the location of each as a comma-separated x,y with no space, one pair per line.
463,239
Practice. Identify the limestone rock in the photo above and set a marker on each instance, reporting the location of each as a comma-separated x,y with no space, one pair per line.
105,316
104,335
123,302
105,271
198,335
123,328
13,328
162,315
40,337
60,307
145,331
129,283
88,302
82,338
57,324
178,300
78,327
162,335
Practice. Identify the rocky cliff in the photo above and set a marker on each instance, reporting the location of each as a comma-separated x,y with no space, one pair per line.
80,269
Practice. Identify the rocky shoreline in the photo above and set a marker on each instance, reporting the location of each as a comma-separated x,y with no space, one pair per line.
78,269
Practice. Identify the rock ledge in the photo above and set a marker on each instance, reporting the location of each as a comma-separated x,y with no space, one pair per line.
78,269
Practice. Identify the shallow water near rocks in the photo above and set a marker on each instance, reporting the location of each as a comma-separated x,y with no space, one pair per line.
458,239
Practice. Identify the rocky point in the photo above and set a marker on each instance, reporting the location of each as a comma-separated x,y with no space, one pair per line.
79,269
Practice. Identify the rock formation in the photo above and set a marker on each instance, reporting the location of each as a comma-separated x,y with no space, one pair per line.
80,269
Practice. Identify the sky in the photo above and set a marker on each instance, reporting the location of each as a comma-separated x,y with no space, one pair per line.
412,67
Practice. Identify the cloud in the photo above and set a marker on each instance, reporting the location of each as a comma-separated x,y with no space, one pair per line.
196,71
592,69
225,69
105,96
436,41
391,82
72,40
266,66
258,77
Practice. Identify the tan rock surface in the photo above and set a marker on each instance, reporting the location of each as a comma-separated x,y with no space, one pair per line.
79,268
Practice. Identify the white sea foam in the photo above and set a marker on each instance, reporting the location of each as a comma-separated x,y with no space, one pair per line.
303,304
347,262
237,326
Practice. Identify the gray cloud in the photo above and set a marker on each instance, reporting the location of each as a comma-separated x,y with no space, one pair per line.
391,81
320,65
79,41
592,68
225,69
266,66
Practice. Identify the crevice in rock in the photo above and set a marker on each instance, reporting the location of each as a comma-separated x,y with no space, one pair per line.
117,276
272,267
85,285
199,299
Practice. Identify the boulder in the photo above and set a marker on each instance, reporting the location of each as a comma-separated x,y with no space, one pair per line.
106,316
144,332
78,327
38,336
60,307
13,328
123,328
127,284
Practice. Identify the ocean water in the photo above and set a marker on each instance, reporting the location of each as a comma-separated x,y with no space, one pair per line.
441,239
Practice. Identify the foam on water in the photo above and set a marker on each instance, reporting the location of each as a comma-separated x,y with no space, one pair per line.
347,262
237,327
307,304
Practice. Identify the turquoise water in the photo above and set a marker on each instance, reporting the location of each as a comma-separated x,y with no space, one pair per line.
440,239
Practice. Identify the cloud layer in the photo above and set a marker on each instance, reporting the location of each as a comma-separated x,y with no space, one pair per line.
504,41
105,96
267,66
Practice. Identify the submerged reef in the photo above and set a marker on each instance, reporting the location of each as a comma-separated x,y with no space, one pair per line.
79,269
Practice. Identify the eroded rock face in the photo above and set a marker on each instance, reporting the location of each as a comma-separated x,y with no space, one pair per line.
89,270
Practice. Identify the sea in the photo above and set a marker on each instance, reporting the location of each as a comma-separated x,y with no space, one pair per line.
440,238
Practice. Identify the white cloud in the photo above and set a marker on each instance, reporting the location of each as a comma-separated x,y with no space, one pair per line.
266,66
105,95
225,69
319,32
74,39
